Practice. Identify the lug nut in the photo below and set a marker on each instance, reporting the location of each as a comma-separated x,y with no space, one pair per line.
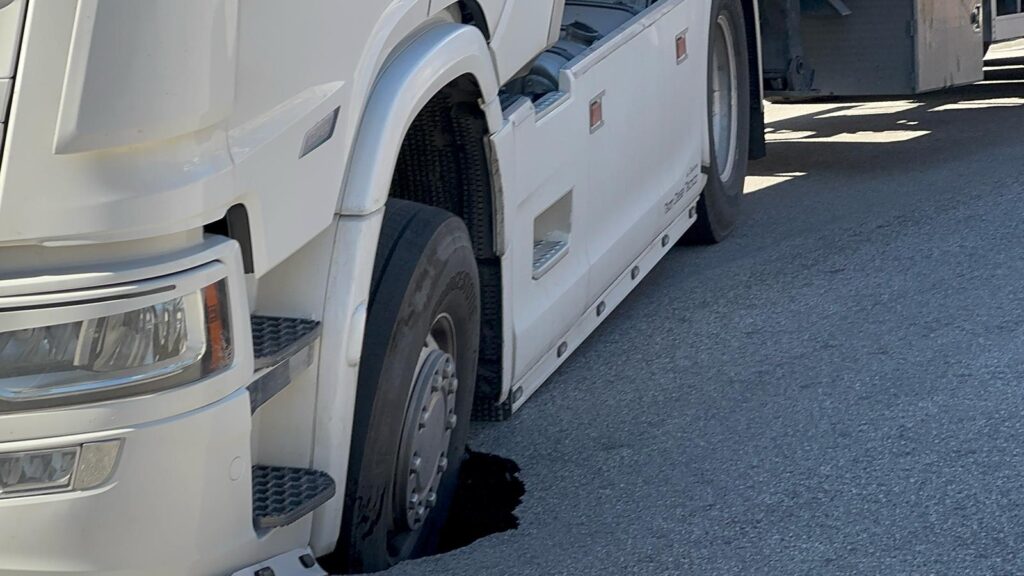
453,385
416,462
452,421
431,500
442,465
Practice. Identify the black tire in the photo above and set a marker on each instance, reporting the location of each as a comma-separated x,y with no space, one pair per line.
718,209
425,271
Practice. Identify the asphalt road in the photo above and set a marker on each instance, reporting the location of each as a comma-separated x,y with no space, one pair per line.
838,389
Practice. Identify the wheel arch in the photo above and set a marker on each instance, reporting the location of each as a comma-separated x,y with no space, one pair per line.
434,60
440,91
422,65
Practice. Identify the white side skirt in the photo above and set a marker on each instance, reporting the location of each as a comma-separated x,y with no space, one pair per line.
600,310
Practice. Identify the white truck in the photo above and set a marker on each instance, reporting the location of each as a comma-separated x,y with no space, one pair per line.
261,261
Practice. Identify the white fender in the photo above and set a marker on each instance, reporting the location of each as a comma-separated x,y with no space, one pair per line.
436,58
432,60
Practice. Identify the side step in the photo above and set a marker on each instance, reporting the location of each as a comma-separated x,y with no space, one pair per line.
284,347
283,496
547,253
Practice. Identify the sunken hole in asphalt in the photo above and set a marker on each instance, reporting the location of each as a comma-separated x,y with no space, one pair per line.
486,499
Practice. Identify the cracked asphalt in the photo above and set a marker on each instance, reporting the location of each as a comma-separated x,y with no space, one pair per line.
837,389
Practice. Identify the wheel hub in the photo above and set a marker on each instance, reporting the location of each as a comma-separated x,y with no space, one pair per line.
428,430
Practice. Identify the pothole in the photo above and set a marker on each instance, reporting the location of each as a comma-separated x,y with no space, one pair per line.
485,502
486,498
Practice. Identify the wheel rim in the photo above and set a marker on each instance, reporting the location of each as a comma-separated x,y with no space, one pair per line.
429,423
724,99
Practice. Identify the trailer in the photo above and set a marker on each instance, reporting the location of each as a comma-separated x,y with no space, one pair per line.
824,48
261,263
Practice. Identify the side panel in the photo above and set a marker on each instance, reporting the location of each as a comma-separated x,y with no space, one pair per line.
644,162
950,45
542,162
295,68
626,181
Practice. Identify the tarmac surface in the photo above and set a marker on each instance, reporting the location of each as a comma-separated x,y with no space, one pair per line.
837,389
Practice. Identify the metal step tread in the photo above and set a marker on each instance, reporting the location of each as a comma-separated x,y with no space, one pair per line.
275,339
283,496
283,349
546,254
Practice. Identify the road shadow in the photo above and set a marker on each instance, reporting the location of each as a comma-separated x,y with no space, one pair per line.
882,136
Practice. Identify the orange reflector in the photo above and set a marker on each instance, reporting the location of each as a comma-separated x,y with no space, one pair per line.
219,352
681,52
596,113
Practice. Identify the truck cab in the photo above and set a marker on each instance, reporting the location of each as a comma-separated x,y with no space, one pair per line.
261,263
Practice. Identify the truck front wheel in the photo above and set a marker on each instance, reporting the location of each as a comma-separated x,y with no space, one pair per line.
728,124
415,395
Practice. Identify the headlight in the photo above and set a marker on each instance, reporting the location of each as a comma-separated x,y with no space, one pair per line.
146,348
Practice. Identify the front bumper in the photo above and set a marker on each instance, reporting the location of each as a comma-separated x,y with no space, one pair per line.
179,500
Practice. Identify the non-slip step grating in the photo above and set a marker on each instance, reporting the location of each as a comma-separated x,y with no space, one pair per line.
283,349
283,496
546,253
276,339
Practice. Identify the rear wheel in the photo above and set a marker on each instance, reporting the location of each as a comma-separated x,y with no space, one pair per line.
728,124
415,394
